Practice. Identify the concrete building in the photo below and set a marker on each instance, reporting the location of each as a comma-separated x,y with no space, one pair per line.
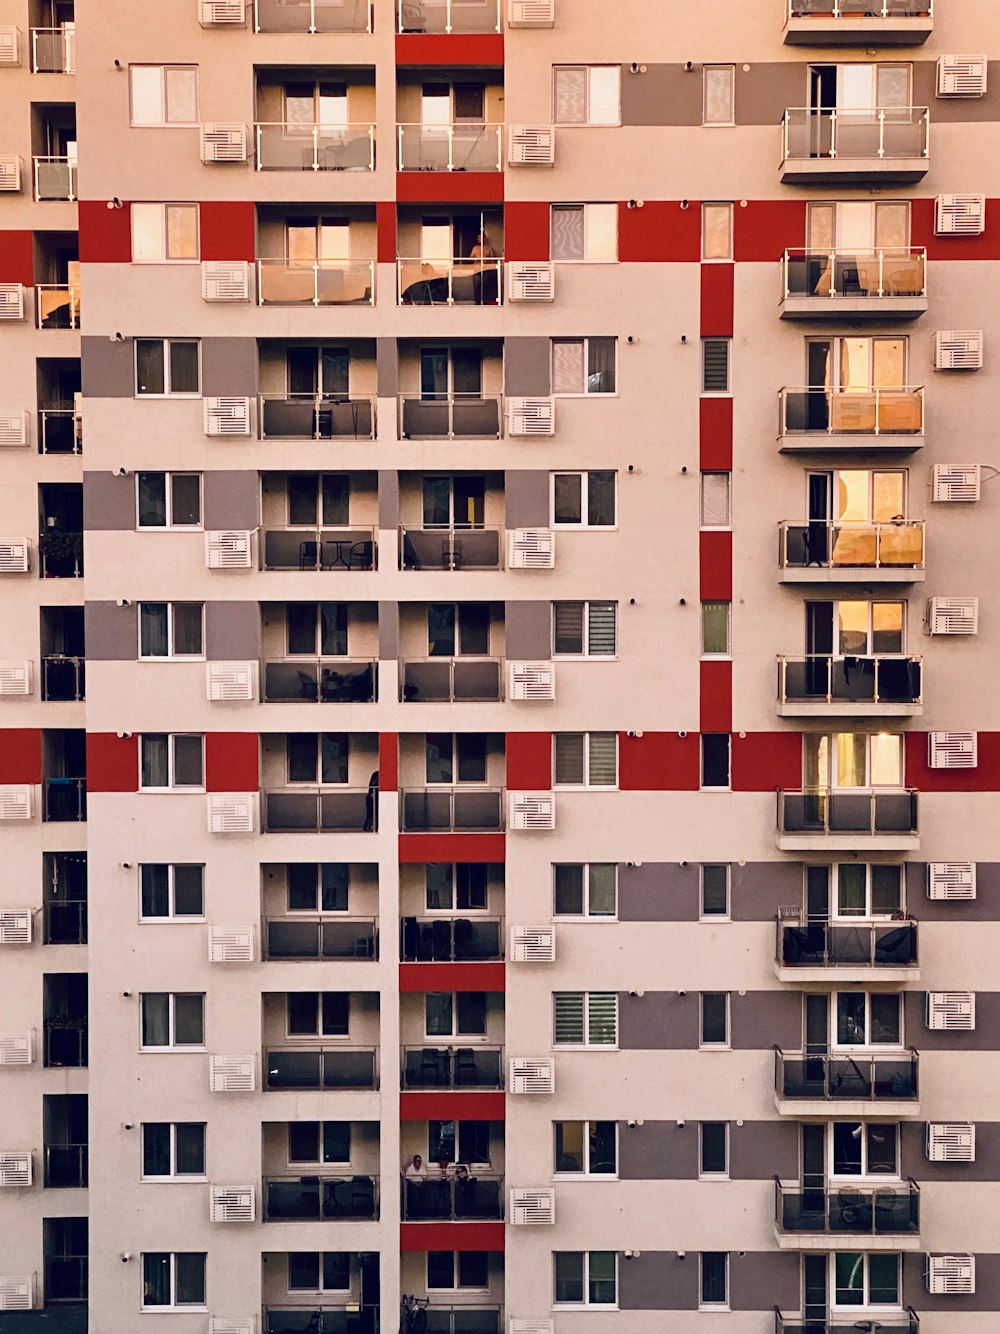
493,666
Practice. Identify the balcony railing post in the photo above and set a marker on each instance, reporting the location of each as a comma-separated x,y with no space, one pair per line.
881,133
451,148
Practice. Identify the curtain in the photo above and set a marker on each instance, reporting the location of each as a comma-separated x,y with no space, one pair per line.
852,897
601,354
333,628
714,1266
156,1279
570,95
603,766
601,498
602,889
567,366
155,772
336,496
715,499
153,641
333,757
568,231
155,1019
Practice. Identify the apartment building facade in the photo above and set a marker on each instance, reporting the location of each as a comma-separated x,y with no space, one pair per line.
497,774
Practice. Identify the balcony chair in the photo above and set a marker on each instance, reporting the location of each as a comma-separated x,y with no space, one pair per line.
466,1067
362,556
309,555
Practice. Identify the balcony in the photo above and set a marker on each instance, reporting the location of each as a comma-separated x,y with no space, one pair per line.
55,178
313,16
65,1277
451,809
450,417
312,417
463,1320
826,551
450,940
848,419
320,680
288,146
321,1068
451,680
821,686
64,799
332,548
53,50
846,1324
321,938
65,1166
868,23
450,282
452,1068
63,677
349,1319
316,1198
66,922
878,146
65,1043
810,951
319,810
854,1084
447,16
885,284
848,819
448,1200
472,146
282,282
450,548
884,1217
57,306
59,431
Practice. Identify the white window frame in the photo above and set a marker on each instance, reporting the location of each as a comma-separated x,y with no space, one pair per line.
172,763
172,655
157,214
869,915
703,916
173,1175
170,526
317,1034
585,1172
716,472
168,392
455,1035
457,782
721,655
294,1163
584,340
713,787
585,604
713,204
587,122
866,1304
731,119
455,910
717,393
712,1306
586,784
704,1175
172,1044
174,1304
586,1302
727,1043
322,1286
830,783
584,524
586,1044
586,915
457,1285
867,1046
865,1176
171,915
164,123
585,209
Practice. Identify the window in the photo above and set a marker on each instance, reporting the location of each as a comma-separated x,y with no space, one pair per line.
313,757
459,1142
585,1018
861,1149
163,94
458,1269
313,1014
855,628
584,499
854,889
716,511
857,495
459,629
171,761
719,104
586,890
584,629
714,1019
456,886
715,365
319,1271
713,1149
715,890
585,1278
865,1280
585,232
454,1014
172,1149
715,760
716,231
319,1142
586,94
171,890
714,1279
860,225
316,628
844,760
867,1019
173,1279
164,232
172,1019
455,757
586,759
171,630
715,629
317,886
169,500
584,366
318,498
586,1148
166,367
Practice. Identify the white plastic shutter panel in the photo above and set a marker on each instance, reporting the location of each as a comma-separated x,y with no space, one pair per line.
950,482
10,45
532,680
533,944
961,76
953,616
951,880
222,11
532,811
532,1074
531,282
14,555
715,365
13,428
15,678
10,172
958,350
232,1204
16,1049
531,14
954,1011
951,1275
531,416
960,215
232,1074
225,280
16,1292
531,1207
232,812
15,1168
532,549
952,750
231,944
532,145
11,301
569,1008
714,499
602,769
228,550
220,1325
602,1018
224,142
15,803
15,926
602,629
951,1142
227,416
231,682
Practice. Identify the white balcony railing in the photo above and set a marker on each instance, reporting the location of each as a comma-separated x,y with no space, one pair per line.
55,178
326,282
450,282
53,50
829,275
283,146
448,16
315,16
870,133
469,146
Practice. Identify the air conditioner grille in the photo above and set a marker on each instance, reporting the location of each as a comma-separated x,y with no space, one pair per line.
954,483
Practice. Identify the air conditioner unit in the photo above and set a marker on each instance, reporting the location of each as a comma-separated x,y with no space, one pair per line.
950,1275
958,350
224,142
10,172
232,812
220,1325
10,45
951,880
532,1074
227,416
951,1142
532,1327
232,1204
532,811
231,944
232,1074
952,750
950,482
532,549
231,682
960,215
15,926
532,1207
13,428
230,550
533,944
531,416
531,13
16,802
229,12
17,1048
952,616
953,1011
225,280
961,76
14,557
532,681
15,679
532,146
15,1168
11,301
17,1292
531,282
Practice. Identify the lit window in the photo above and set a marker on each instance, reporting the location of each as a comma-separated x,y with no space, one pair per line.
164,94
164,232
586,94
585,232
716,231
719,107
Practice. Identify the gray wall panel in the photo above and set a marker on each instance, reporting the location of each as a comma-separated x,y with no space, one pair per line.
231,500
661,1281
664,1151
527,366
232,631
388,506
913,1158
985,1298
228,366
984,1037
528,630
668,1021
388,630
985,907
108,502
387,367
108,368
111,632
526,499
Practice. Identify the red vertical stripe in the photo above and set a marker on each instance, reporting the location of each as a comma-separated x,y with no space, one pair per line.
717,286
17,262
716,696
105,233
716,563
385,220
388,761
716,434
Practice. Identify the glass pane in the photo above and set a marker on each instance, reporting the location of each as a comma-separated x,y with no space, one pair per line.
883,1280
156,1279
568,627
715,627
605,97
892,225
602,231
849,1278
851,1018
887,496
855,363
602,767
438,885
568,1009
569,890
333,757
719,95
714,1017
155,771
602,1147
885,1019
887,627
470,1008
713,1146
190,1148
568,498
301,885
601,356
303,1270
886,760
147,94
602,639
602,1287
851,750
182,95
189,891
190,1278
336,498
473,1269
155,1019
438,1013
713,1276
335,1013
570,95
471,885
848,1139
147,232
183,367
188,766
568,232
152,500
156,1149
154,880
185,498
569,1146
187,628
182,231
603,890
153,630
601,498
714,890
302,751
567,366
189,1025
882,1143
852,495
852,627
852,898
440,1269
568,1268
717,220
887,889
149,374
889,363
715,499
440,763
569,758
334,886
336,1271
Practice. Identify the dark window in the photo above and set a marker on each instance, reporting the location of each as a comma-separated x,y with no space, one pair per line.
715,759
715,365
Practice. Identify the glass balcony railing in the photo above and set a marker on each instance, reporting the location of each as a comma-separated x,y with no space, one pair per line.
832,275
863,1076
316,1198
822,679
821,411
320,680
320,810
450,940
825,811
452,1068
870,134
327,548
450,282
57,306
59,431
450,1199
315,16
431,680
65,799
66,922
463,1320
294,146
456,809
450,416
448,16
65,1166
835,545
55,178
53,50
65,1043
875,1211
888,1322
321,1068
322,1320
466,146
450,548
321,938
316,417
846,944
66,1278
860,9
63,678
283,282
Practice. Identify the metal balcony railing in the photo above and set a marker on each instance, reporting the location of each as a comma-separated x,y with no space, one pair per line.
450,282
60,431
321,1068
450,416
320,810
844,1076
848,1210
65,1043
821,411
450,939
316,417
830,275
327,548
321,938
314,1198
450,1199
848,811
466,146
53,50
456,809
450,548
61,553
900,1323
322,1320
64,799
452,1067
63,677
66,1278
808,943
860,9
448,16
57,306
320,680
315,16
65,1166
327,282
66,922
835,545
820,678
55,178
430,680
875,134
463,1320
291,146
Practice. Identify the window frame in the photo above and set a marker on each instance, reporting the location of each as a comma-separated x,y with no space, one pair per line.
456,1272
703,1173
718,654
584,340
585,604
587,123
866,1303
587,915
586,1044
173,1175
585,785
172,786
716,204
726,1044
321,1161
702,523
317,1034
171,655
587,1280
715,787
585,524
167,392
171,915
867,1044
456,909
704,1305
320,1268
164,123
866,1175
172,1045
454,1035
730,70
586,1172
174,1304
170,526
705,392
704,916
164,232
587,258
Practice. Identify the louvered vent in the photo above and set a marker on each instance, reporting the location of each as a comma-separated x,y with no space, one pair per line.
954,1011
232,1074
15,679
531,13
533,681
952,750
10,52
532,145
231,682
227,416
949,482
15,803
17,1292
211,12
960,215
715,365
951,1142
15,1169
533,1207
952,616
14,555
531,282
232,1204
13,428
225,280
230,550
533,944
950,1275
531,416
532,1327
532,811
951,880
224,142
231,944
961,76
15,926
220,1325
11,301
232,812
16,1049
532,549
958,350
10,172
532,1074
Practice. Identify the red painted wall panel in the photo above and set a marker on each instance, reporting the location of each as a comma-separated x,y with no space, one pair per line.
228,229
766,228
526,231
112,762
660,230
485,49
451,977
232,761
765,761
105,233
417,848
20,755
529,761
17,262
716,696
715,549
658,762
451,1237
385,225
717,286
388,761
446,187
984,778
715,417
449,1105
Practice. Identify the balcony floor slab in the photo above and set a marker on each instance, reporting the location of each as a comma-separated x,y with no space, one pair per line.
853,308
846,709
823,30
813,442
835,975
843,842
825,1241
854,171
851,574
854,1109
